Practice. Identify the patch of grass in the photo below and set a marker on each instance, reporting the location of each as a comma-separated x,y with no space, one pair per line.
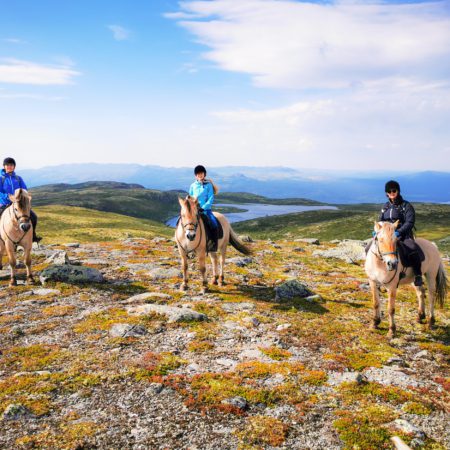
31,358
276,353
200,346
261,431
58,311
418,408
157,364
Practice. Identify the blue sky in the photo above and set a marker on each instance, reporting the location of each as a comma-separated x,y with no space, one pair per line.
340,85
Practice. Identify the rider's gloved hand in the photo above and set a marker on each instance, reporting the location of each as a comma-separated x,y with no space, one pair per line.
374,233
397,234
201,210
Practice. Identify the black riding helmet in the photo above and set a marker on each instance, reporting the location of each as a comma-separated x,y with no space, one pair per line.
9,161
392,185
199,169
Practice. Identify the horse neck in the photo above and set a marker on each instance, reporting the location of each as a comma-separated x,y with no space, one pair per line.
9,223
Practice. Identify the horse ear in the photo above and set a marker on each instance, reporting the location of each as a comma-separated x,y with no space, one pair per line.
396,224
377,227
12,198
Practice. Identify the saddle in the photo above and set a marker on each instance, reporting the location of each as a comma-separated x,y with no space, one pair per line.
212,235
406,253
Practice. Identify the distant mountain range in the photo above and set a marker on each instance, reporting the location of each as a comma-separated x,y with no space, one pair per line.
274,182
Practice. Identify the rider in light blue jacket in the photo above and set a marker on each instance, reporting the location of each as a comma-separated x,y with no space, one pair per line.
204,190
9,182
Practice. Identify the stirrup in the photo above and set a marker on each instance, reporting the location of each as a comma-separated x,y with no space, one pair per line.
418,280
37,239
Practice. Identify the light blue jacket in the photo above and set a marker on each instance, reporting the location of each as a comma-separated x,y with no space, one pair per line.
204,193
9,182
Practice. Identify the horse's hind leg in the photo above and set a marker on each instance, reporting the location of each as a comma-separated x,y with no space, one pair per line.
214,261
431,281
223,254
30,279
420,292
202,265
376,304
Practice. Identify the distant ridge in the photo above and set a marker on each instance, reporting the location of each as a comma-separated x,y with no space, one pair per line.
273,182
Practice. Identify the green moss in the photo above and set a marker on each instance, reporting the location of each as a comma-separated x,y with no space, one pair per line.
276,353
157,364
200,346
32,357
418,408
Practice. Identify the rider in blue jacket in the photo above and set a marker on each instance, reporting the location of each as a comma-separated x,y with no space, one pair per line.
9,182
204,189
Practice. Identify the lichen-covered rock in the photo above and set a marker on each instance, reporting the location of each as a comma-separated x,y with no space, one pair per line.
246,238
127,330
15,411
349,251
408,428
148,297
174,314
241,261
237,402
161,273
69,273
312,241
291,289
59,257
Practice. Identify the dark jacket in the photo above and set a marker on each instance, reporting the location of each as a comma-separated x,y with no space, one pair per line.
9,182
404,212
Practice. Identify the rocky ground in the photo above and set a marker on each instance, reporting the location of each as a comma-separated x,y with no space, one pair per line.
280,357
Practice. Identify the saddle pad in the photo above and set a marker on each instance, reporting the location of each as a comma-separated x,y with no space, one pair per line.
208,228
405,252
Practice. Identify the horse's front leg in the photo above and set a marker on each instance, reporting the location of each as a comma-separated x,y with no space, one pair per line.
376,304
30,279
392,292
184,268
12,264
202,266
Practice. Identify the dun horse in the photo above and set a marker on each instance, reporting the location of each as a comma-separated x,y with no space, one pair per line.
190,235
384,267
16,229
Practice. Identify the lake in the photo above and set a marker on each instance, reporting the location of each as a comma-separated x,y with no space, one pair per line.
256,210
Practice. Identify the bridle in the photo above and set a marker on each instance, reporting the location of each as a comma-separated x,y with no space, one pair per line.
185,227
380,255
19,221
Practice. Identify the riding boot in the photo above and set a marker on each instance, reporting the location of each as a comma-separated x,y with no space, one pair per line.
416,264
214,239
33,218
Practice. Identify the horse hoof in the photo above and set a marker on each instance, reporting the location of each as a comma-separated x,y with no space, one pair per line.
31,281
13,283
431,323
183,288
391,334
420,317
375,324
214,282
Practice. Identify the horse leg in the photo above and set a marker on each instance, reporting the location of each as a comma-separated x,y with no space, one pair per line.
223,254
12,264
184,268
214,262
202,265
30,279
391,310
420,292
431,281
376,304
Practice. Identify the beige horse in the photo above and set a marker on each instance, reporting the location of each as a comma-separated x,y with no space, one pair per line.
17,229
190,236
383,267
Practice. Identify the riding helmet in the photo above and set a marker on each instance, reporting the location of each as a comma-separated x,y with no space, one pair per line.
199,169
392,185
9,161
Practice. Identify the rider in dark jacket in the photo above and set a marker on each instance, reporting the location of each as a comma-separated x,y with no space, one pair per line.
9,182
396,208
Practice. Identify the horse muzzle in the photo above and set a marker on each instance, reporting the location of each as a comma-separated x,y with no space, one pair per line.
392,264
25,226
190,235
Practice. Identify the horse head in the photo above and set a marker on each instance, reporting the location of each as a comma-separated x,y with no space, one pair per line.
189,216
21,205
386,243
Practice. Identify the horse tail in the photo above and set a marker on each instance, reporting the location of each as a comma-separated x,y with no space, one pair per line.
238,244
441,286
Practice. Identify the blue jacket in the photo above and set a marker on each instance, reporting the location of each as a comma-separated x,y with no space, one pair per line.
204,193
402,211
9,182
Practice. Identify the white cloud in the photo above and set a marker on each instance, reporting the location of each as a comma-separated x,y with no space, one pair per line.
301,45
119,33
25,72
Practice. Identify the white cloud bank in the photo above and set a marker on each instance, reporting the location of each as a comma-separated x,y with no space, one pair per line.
119,33
25,72
368,81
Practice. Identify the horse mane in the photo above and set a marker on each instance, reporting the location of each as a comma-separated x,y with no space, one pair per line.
24,200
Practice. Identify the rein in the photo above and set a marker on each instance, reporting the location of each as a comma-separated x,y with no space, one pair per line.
195,225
